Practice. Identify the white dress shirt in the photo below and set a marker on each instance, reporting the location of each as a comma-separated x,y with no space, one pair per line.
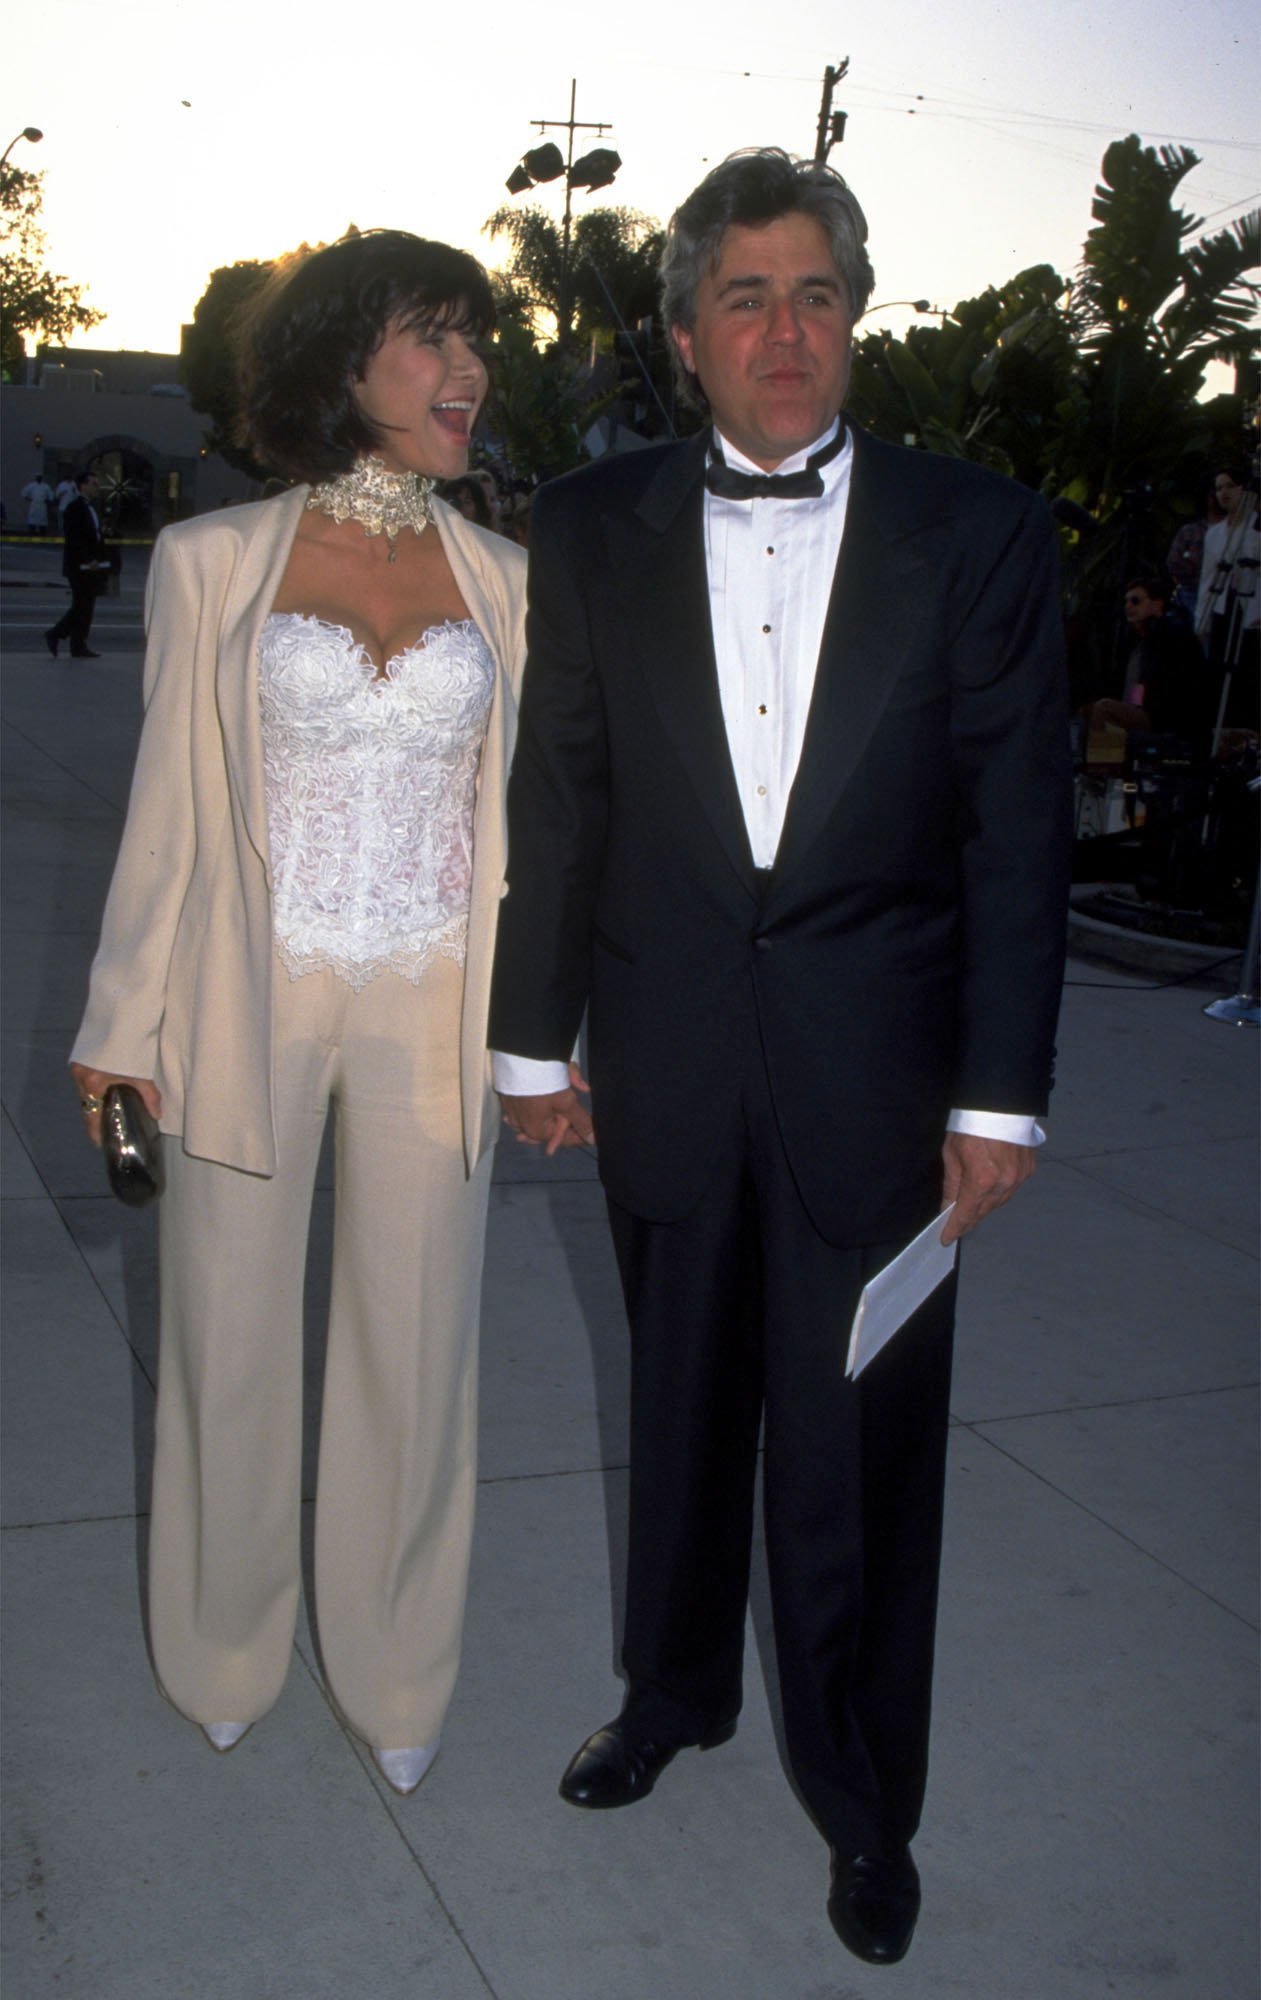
770,564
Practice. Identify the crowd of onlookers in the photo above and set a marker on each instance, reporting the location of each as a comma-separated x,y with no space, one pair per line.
44,502
480,498
1202,610
1193,666
1178,723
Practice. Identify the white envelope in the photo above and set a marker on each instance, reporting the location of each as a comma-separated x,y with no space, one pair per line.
889,1299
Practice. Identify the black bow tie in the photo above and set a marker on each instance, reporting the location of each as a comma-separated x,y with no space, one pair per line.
728,484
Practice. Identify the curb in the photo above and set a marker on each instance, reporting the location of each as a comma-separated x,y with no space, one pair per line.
1095,942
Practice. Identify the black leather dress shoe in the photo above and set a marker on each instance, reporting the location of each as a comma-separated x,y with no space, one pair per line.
52,642
83,653
874,1904
623,1761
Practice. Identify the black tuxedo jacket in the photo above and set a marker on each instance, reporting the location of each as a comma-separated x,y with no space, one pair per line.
84,542
906,952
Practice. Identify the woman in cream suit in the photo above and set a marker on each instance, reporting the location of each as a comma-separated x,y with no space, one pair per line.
303,914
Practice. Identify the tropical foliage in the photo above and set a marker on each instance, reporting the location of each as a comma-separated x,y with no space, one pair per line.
33,299
1088,390
206,366
989,383
1154,302
539,406
562,354
618,246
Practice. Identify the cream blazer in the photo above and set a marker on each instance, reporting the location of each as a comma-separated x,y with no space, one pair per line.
180,989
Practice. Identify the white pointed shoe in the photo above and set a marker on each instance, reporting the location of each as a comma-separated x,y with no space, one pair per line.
224,1736
404,1769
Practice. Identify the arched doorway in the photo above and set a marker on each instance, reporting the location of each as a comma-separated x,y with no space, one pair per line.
127,481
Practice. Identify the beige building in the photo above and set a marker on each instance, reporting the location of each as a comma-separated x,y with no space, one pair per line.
126,416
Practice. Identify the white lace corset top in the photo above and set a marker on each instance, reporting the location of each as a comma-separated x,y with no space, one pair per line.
370,784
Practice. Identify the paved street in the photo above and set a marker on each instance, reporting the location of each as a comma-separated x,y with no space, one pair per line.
35,596
1091,1828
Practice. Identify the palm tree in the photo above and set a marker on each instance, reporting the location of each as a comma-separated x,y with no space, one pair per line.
1154,302
1145,266
538,408
620,244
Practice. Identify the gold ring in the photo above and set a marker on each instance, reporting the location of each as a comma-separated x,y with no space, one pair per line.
90,1103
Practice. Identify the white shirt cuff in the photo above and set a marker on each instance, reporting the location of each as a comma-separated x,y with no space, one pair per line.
526,1076
1014,1127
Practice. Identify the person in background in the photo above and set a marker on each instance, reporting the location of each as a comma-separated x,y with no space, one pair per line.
1165,688
67,490
485,478
302,917
1185,560
38,495
1228,609
85,566
468,497
515,520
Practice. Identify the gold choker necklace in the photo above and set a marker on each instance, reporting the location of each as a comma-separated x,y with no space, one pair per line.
385,502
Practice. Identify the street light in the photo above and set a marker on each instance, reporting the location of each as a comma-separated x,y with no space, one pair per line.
31,133
541,163
596,169
887,305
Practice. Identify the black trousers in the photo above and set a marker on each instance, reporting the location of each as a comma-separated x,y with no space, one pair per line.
77,621
740,1317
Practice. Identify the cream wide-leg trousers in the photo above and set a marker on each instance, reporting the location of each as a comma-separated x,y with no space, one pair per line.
397,1462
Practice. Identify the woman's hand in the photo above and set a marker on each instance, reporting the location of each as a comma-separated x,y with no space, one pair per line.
92,1085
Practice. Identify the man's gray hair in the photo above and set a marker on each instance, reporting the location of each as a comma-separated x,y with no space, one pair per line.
749,188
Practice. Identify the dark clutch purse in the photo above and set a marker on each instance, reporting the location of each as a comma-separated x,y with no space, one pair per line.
132,1145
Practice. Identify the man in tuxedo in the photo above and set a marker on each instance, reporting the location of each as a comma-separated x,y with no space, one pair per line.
84,566
789,815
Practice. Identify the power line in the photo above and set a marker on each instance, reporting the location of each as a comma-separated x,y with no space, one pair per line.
967,103
1241,203
927,105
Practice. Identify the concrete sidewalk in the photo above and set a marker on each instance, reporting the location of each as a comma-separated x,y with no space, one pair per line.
1091,1823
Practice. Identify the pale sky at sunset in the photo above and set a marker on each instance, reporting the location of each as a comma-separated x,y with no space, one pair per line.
300,121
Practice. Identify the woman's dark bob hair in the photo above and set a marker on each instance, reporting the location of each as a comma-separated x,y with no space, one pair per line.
304,339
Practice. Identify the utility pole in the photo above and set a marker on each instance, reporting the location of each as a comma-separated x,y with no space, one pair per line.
570,125
831,123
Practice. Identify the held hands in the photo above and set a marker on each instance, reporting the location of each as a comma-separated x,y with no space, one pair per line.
92,1085
553,1121
979,1175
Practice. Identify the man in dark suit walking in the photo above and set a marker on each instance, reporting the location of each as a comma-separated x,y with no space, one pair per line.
790,815
84,566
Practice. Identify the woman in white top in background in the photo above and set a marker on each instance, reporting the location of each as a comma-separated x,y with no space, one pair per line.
302,915
1228,608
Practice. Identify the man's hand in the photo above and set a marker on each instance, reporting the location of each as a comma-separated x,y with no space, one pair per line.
979,1175
554,1121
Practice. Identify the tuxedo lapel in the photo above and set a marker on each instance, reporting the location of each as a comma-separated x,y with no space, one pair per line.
657,555
874,616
